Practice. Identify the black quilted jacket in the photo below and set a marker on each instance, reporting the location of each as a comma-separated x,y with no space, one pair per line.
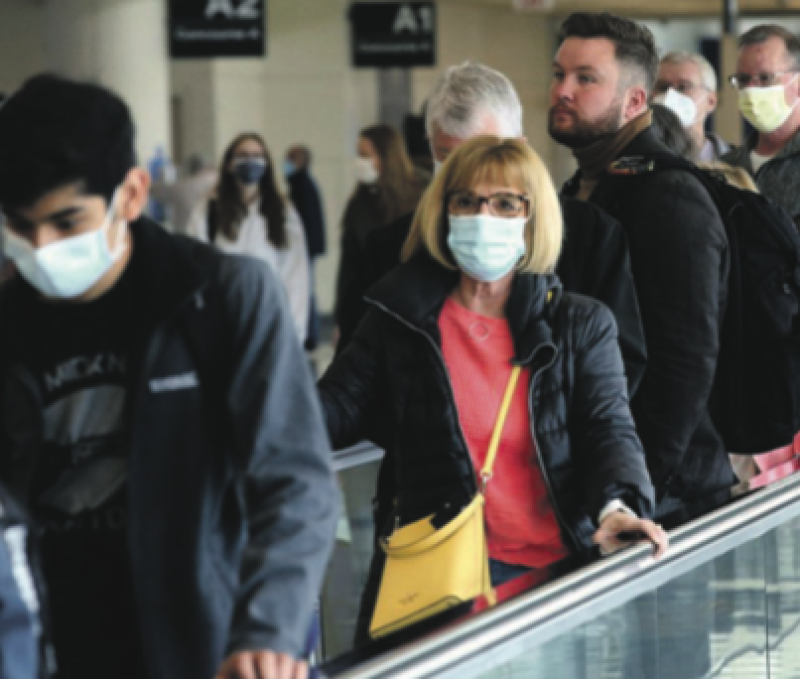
391,385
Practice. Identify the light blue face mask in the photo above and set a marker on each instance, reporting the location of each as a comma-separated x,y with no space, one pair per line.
486,247
68,267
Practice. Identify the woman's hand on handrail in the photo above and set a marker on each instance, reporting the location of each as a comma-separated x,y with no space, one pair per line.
619,530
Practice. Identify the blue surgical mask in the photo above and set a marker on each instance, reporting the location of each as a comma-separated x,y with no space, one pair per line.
289,168
486,247
249,170
68,267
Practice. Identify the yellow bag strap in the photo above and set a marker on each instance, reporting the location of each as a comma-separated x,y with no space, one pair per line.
486,472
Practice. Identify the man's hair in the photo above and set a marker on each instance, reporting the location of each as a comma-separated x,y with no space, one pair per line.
634,44
464,94
760,34
707,75
669,129
55,132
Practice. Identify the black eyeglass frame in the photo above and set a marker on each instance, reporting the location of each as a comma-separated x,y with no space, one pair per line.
733,80
486,199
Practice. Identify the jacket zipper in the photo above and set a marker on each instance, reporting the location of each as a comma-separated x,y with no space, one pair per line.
449,386
138,395
542,466
461,431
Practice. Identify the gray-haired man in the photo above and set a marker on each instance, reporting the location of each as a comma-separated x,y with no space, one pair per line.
470,100
769,89
687,83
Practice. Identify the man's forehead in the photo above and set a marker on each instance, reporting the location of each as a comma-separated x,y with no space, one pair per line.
70,195
586,52
685,70
771,50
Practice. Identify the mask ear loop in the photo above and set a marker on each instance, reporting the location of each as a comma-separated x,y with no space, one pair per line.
119,245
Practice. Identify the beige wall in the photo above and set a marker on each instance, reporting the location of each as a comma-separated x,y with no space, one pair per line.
21,42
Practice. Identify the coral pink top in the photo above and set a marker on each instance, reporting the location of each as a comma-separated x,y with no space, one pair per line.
520,521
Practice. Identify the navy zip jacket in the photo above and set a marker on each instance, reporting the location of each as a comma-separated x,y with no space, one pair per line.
232,500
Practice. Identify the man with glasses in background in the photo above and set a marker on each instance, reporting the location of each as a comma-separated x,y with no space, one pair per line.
769,89
687,84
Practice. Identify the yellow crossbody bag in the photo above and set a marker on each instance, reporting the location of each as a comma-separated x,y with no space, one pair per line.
429,570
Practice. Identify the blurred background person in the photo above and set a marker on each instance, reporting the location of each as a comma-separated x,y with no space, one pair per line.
247,215
305,196
388,187
182,196
686,83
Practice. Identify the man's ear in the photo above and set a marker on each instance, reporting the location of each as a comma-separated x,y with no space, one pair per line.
635,103
712,101
135,192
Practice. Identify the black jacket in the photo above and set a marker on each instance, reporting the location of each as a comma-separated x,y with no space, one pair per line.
594,262
362,214
393,374
304,194
680,261
232,500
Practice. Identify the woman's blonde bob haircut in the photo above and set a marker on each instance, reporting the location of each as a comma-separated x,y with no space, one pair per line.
499,162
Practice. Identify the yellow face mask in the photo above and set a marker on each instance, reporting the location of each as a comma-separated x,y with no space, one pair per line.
765,108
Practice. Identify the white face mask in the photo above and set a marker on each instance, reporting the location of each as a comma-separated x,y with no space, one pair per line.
366,172
437,166
681,105
69,267
765,108
486,247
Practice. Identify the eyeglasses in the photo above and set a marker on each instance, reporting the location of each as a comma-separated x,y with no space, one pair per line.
500,204
741,80
684,87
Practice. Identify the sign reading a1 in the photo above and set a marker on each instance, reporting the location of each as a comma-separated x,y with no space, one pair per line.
392,34
217,28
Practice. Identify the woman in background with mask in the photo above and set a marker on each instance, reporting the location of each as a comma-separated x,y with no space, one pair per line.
428,367
388,187
247,215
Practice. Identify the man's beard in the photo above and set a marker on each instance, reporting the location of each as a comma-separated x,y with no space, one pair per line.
584,133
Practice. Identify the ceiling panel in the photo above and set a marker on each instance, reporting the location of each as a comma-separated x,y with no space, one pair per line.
653,7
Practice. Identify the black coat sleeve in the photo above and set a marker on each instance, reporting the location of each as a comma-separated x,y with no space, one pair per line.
353,390
595,263
679,254
608,454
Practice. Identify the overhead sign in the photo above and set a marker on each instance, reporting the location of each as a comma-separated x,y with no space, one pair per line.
393,34
217,28
533,5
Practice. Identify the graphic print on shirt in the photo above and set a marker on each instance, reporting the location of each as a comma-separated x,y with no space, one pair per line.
84,462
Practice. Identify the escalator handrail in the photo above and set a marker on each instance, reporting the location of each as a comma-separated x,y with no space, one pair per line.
356,456
533,618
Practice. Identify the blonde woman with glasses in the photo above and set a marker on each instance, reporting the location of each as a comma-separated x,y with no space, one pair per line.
427,370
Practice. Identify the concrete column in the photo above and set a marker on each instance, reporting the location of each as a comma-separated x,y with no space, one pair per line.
122,45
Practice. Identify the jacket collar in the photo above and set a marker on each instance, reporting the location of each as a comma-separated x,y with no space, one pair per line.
646,143
168,272
415,292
